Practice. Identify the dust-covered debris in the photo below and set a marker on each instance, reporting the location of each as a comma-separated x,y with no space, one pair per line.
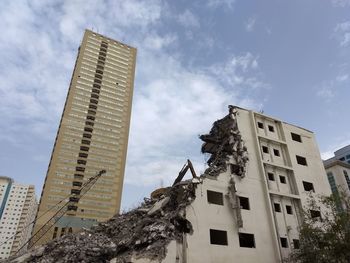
146,231
137,233
223,141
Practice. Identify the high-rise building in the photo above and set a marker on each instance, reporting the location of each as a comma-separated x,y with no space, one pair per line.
18,206
92,136
342,154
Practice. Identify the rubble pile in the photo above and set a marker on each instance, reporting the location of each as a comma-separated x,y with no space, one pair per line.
224,140
145,232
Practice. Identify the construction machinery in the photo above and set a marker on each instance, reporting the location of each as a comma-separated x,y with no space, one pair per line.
69,205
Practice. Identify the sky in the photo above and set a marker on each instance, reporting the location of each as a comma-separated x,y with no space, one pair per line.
290,59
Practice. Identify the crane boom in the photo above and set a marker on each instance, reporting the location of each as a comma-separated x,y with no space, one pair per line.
73,199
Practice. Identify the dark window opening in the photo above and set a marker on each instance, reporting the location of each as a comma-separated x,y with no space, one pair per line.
88,129
81,162
96,86
283,179
218,237
296,137
75,191
104,45
260,125
284,242
276,152
97,81
94,101
73,199
80,169
86,135
103,49
96,91
308,186
92,118
265,149
85,142
235,169
72,208
95,96
277,207
75,183
100,67
271,128
289,209
101,58
246,240
70,230
100,62
271,176
244,203
92,112
83,155
301,160
89,123
315,213
97,76
296,243
99,71
84,148
103,54
215,197
91,106
342,159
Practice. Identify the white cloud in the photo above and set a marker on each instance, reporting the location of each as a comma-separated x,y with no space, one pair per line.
173,103
250,24
188,19
221,3
341,3
342,78
342,33
326,92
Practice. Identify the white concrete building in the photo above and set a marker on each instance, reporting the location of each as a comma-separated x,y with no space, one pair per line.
251,213
338,174
18,206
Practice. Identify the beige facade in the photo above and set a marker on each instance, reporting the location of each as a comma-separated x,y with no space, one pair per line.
338,174
92,135
284,170
18,206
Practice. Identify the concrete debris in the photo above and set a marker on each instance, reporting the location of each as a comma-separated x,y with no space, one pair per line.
223,141
143,232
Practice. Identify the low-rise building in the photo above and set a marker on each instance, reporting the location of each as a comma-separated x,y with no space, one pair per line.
18,206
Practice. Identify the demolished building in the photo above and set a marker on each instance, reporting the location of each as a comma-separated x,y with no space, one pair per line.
246,206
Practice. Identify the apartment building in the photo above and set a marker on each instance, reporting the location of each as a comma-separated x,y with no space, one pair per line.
92,136
18,206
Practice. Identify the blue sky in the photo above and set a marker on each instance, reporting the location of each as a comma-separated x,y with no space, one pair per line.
287,58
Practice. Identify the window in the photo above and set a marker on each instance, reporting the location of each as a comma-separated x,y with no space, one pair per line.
301,160
260,125
83,155
80,169
342,159
246,240
276,152
218,237
84,148
346,178
315,214
289,209
265,149
283,179
244,203
271,128
284,242
215,198
85,142
295,137
271,176
296,243
308,186
75,183
277,207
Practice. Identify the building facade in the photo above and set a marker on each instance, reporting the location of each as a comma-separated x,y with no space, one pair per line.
18,206
342,154
338,174
92,136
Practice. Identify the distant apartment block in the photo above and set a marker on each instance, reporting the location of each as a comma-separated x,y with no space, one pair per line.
18,206
92,136
342,154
